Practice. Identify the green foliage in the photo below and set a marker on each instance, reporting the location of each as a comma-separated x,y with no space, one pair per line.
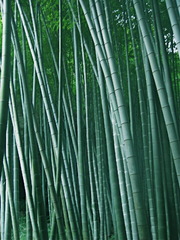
51,11
112,237
22,227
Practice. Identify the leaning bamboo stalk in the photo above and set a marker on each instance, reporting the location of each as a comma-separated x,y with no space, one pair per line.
5,74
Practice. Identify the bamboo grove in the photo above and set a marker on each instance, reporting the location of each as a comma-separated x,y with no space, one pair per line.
89,120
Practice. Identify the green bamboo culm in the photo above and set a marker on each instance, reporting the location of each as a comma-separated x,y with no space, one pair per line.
5,74
80,149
